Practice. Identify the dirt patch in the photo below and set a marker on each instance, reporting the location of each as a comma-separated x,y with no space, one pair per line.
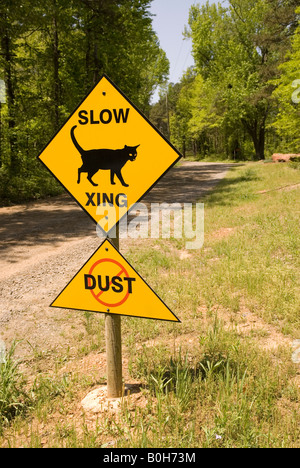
223,233
267,336
97,402
287,188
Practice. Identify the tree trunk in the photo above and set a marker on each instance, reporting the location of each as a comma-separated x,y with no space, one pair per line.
168,117
184,147
88,57
10,99
93,63
257,133
259,144
56,79
195,147
1,162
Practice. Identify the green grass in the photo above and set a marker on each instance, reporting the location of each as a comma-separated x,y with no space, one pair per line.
14,400
258,263
224,377
227,394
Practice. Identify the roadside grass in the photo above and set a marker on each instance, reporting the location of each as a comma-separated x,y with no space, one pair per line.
227,394
224,376
258,257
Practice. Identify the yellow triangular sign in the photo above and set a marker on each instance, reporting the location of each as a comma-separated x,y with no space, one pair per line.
107,283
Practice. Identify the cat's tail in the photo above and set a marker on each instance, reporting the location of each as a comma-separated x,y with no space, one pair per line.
76,144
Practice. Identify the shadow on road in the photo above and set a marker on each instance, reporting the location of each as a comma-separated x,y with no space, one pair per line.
187,183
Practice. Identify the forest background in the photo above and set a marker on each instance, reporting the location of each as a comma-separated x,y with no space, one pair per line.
240,101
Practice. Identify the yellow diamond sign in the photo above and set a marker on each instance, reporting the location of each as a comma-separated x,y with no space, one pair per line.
107,283
108,155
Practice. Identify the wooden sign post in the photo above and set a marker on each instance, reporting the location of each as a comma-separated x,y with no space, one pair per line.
113,355
114,346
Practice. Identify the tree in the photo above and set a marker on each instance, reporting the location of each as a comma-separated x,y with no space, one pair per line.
166,106
9,31
119,40
179,120
51,53
237,52
287,95
206,123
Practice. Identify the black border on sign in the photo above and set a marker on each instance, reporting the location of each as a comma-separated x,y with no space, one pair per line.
105,312
146,119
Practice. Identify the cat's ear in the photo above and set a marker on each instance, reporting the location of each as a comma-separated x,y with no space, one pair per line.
125,146
137,146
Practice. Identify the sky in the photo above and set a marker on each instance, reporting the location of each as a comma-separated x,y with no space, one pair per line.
171,16
169,22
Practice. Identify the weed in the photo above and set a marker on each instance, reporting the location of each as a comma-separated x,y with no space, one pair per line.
14,399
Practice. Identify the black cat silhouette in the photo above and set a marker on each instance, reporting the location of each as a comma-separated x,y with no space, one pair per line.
104,159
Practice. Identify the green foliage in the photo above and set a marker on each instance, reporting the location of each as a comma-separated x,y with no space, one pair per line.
226,105
288,98
51,53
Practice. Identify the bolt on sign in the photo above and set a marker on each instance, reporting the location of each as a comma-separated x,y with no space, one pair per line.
108,154
107,283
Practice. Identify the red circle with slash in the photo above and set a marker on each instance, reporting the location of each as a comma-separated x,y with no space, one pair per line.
122,271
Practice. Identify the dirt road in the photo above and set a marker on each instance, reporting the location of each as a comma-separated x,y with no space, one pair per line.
43,244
